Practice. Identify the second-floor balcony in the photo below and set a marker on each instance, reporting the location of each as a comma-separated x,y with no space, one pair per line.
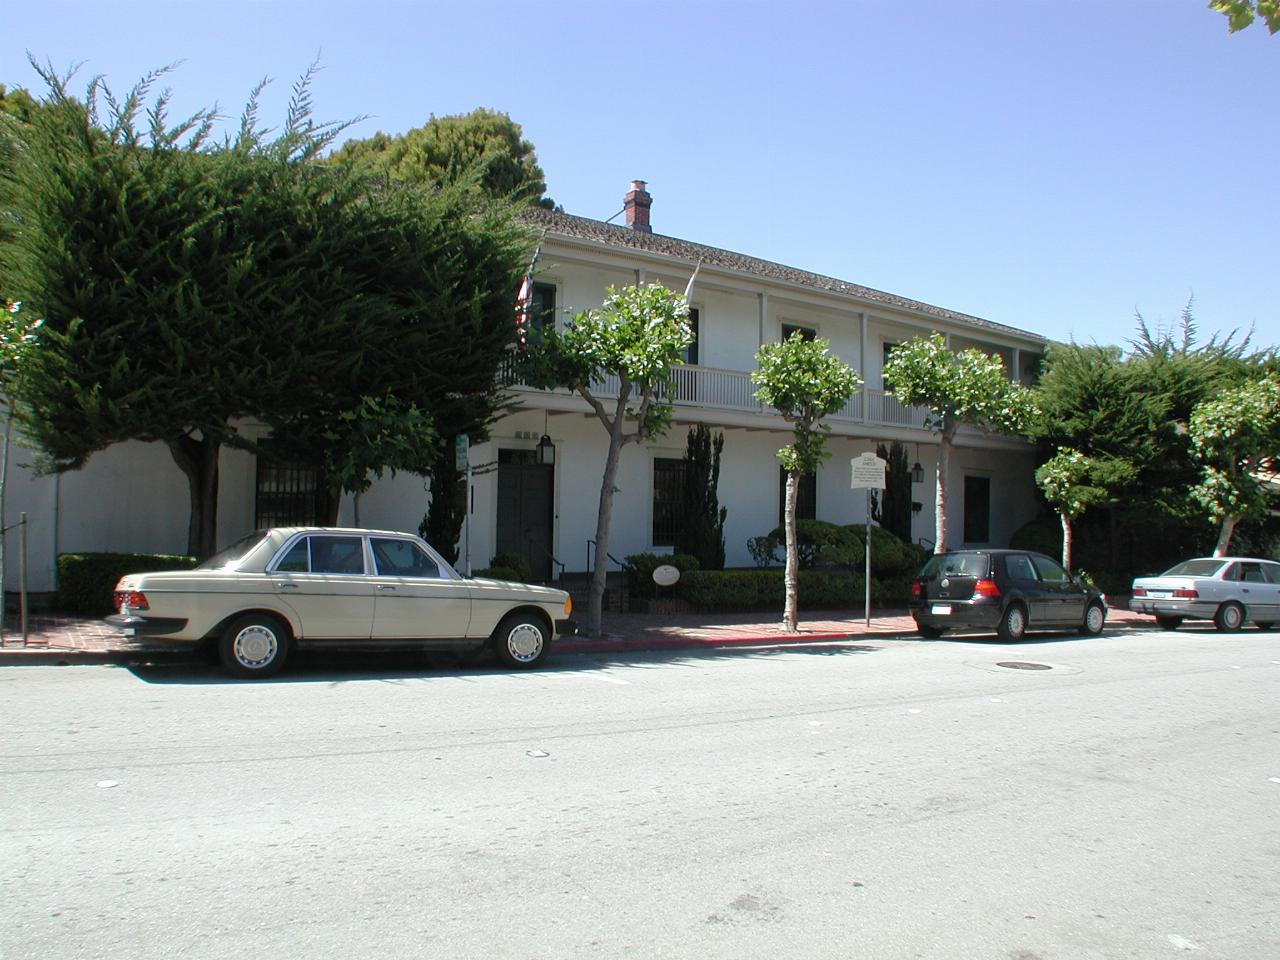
733,391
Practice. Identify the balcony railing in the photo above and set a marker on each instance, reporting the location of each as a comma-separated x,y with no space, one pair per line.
733,390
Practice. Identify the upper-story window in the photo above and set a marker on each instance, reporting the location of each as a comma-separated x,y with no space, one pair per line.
807,333
690,353
542,309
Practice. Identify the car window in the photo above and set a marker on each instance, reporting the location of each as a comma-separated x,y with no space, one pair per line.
1247,572
402,558
1272,572
1018,566
334,554
230,556
956,565
298,559
1195,568
1050,572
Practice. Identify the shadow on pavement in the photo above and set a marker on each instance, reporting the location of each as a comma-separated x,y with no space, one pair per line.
344,666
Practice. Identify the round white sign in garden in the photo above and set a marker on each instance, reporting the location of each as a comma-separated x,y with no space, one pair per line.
666,575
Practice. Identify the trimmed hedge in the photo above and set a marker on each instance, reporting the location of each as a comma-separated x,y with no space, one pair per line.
725,591
639,569
86,580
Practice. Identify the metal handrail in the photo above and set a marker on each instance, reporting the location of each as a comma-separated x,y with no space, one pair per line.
591,544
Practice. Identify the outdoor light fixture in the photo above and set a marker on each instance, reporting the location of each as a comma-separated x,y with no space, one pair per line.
917,473
546,452
916,506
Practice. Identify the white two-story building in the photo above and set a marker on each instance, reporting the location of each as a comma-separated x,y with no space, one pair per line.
543,504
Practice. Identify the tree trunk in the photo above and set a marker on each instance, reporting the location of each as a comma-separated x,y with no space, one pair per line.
1066,543
791,579
1224,536
198,460
599,574
940,497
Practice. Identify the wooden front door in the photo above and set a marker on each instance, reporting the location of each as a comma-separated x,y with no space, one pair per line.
525,509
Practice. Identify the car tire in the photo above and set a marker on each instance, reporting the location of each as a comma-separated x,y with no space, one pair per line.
254,645
1095,618
1013,625
930,633
1168,623
522,640
1230,617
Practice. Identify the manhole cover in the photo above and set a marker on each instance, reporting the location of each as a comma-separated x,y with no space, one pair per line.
1023,665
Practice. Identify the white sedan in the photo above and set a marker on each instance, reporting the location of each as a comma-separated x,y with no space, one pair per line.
290,586
1226,590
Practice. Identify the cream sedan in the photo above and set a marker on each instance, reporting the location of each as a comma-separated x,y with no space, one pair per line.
292,586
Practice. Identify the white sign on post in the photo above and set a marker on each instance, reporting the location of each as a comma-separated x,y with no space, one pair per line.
868,472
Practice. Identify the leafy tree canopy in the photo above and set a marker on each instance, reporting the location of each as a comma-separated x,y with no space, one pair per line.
1242,13
483,147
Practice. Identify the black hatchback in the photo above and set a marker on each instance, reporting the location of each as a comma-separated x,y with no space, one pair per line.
1008,591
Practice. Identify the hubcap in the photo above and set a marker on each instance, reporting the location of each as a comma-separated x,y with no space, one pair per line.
1232,616
1095,619
1016,622
525,642
255,646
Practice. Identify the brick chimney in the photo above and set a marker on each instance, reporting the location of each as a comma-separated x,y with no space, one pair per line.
636,204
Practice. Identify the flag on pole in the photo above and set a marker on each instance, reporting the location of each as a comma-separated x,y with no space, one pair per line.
524,302
688,291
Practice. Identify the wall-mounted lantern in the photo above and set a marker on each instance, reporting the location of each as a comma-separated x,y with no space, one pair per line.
546,452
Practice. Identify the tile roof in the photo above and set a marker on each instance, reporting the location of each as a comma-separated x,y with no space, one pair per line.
582,228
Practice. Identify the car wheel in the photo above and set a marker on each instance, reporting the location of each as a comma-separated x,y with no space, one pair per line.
1169,623
1095,617
1013,625
521,640
1230,617
930,633
254,645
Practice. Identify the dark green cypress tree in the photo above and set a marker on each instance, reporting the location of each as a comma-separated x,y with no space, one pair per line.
702,532
892,509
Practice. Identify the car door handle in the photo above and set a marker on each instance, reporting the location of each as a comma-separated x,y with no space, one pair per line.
286,585
385,586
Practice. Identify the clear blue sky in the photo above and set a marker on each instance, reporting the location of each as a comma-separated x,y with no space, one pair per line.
1045,164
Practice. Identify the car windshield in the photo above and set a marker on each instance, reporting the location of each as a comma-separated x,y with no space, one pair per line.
1195,568
230,556
956,565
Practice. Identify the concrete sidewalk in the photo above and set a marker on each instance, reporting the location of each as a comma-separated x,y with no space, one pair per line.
53,639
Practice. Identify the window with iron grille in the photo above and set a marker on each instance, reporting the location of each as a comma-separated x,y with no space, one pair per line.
291,494
668,498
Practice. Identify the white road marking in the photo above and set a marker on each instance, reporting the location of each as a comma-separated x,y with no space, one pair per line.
1182,943
107,784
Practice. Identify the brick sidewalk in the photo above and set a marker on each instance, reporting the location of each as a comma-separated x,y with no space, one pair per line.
89,639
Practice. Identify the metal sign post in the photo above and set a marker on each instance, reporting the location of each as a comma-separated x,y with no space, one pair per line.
868,473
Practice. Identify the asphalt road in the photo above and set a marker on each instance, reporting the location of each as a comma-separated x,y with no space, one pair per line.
899,799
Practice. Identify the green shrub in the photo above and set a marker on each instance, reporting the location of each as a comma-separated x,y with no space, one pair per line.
502,573
86,580
515,562
740,591
639,569
1043,535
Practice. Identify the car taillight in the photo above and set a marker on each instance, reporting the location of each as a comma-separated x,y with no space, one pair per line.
1139,592
917,589
1186,594
133,599
985,588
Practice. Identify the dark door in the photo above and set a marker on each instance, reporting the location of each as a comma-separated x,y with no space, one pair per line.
525,509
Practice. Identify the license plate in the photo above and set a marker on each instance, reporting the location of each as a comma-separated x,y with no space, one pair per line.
1159,594
940,609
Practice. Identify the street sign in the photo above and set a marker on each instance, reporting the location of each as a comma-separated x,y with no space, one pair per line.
868,472
461,447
